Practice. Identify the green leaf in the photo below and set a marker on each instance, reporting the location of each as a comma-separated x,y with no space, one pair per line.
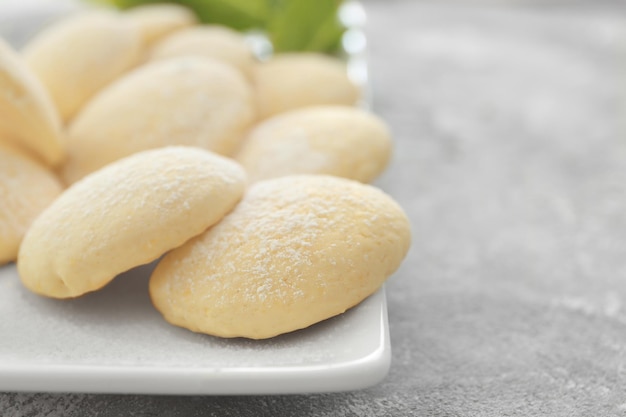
238,14
292,25
125,4
298,25
327,37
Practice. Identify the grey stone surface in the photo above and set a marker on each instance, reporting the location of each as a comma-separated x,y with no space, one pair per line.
511,162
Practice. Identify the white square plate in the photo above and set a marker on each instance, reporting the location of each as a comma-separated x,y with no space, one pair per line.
114,341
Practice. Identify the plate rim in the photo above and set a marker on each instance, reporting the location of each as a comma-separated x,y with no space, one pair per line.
355,374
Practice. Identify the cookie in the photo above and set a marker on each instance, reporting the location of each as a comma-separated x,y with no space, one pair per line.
124,215
27,116
77,56
26,189
213,41
190,101
296,250
293,80
156,21
335,140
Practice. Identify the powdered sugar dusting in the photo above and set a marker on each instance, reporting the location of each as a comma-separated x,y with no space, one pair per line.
187,101
267,250
134,210
161,183
290,155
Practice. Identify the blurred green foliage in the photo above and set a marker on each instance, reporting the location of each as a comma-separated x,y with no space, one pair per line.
292,25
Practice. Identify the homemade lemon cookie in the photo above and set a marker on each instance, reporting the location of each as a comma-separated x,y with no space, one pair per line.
191,101
26,189
295,251
213,41
124,215
334,140
27,115
293,80
155,21
77,56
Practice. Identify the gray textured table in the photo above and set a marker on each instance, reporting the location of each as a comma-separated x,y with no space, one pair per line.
511,162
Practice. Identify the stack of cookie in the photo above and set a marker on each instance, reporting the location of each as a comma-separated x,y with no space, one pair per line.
131,137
